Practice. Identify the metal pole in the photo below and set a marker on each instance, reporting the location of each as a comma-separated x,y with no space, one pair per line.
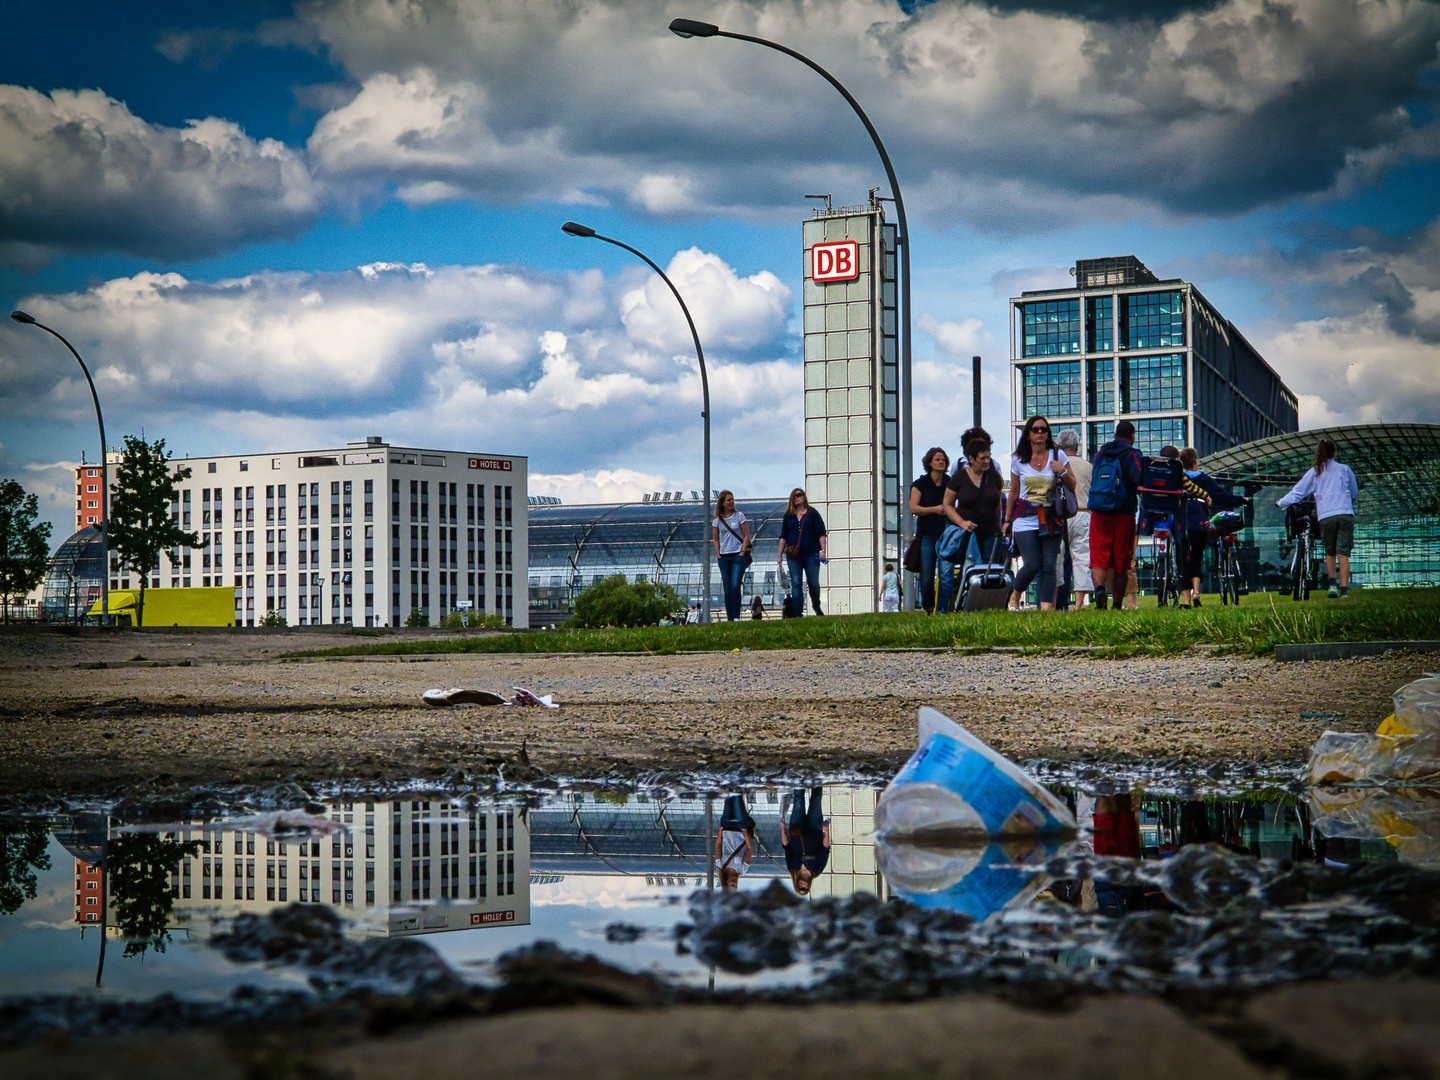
709,844
21,317
691,28
575,229
975,379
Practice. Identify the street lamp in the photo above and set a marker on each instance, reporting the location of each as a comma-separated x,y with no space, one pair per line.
690,28
576,229
30,320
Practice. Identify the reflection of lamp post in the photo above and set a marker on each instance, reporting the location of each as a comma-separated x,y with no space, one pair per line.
688,28
576,229
30,320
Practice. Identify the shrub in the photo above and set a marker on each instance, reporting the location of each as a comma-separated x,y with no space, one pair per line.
417,617
462,619
273,618
617,602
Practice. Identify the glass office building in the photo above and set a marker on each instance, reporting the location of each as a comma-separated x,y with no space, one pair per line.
574,547
1123,344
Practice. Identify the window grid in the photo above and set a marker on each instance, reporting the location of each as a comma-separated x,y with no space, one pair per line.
1051,390
1153,383
1151,435
1100,376
1051,328
1153,321
1099,324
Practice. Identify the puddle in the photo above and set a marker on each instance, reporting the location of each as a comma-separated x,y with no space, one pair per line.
132,914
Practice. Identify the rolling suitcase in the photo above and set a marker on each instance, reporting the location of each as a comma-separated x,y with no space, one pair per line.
987,585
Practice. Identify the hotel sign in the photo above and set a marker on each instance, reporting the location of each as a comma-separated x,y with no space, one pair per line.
839,261
495,464
489,918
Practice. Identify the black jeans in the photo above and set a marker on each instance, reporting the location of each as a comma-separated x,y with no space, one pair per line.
735,817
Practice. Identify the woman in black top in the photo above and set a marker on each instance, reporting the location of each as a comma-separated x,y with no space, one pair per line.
803,547
972,500
927,497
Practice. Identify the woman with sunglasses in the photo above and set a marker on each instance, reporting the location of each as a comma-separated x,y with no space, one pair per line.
803,548
1038,464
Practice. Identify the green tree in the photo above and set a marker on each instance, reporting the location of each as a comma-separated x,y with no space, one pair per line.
23,843
24,544
141,523
140,865
613,601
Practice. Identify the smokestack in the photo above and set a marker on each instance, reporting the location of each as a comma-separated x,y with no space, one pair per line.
975,380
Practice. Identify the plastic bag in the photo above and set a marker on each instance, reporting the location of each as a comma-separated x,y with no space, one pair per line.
1406,818
1346,758
954,787
1417,709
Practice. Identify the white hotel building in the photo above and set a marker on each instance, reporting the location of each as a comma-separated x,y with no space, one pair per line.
362,535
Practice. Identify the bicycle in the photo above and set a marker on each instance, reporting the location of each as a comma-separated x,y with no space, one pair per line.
1168,585
1302,528
1224,528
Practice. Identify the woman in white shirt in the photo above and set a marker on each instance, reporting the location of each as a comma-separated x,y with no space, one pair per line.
1335,489
1037,466
730,533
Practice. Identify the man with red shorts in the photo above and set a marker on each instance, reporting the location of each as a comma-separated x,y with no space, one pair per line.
1113,502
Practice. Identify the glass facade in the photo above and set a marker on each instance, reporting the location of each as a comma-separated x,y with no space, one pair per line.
1151,435
1099,324
1051,328
1152,320
1153,383
1100,388
574,547
1051,390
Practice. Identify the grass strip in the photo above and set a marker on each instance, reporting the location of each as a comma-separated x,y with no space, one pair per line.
1255,628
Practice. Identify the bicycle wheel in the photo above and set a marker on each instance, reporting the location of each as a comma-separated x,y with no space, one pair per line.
1162,579
1302,584
1233,579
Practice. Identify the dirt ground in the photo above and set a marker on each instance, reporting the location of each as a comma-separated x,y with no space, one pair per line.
240,713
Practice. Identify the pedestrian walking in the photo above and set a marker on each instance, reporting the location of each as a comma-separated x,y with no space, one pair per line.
927,496
1078,527
1036,467
973,497
803,547
1202,497
735,842
805,838
1335,490
890,589
730,533
1114,501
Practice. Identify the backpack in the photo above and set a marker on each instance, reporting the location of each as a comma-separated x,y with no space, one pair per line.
1108,490
1162,485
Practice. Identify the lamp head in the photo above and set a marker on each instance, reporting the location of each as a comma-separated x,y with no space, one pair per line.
21,317
688,28
574,228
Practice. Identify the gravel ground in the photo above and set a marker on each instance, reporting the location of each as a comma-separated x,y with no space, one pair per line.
238,713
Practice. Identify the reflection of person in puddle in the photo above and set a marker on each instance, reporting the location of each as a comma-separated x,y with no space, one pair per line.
735,842
1117,833
805,836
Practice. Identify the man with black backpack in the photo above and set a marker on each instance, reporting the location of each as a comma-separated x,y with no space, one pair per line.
1114,484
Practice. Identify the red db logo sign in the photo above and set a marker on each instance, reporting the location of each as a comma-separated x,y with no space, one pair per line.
839,261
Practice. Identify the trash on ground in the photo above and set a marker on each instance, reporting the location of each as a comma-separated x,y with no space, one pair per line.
458,695
1408,819
978,879
955,788
1405,749
525,697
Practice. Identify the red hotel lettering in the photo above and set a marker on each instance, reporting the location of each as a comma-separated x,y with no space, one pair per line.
485,918
839,261
490,463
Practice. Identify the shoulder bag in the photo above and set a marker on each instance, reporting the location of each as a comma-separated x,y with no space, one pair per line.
744,548
1066,504
912,555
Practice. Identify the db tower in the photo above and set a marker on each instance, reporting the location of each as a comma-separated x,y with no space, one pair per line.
853,399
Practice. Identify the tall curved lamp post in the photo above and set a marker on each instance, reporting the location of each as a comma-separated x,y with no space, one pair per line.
690,28
30,320
574,228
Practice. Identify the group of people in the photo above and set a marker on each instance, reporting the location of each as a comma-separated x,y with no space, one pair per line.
803,548
804,839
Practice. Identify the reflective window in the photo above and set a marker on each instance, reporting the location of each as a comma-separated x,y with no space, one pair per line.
1152,320
1100,385
1099,324
1151,435
1051,390
1051,327
1153,383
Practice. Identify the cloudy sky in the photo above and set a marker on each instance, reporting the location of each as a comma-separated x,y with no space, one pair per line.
273,225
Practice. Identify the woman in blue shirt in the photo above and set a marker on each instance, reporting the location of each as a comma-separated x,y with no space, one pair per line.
803,548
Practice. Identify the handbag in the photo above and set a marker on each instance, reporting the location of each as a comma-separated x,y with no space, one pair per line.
1066,504
912,555
744,548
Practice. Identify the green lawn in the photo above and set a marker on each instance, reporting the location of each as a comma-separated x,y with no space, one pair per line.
1263,621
